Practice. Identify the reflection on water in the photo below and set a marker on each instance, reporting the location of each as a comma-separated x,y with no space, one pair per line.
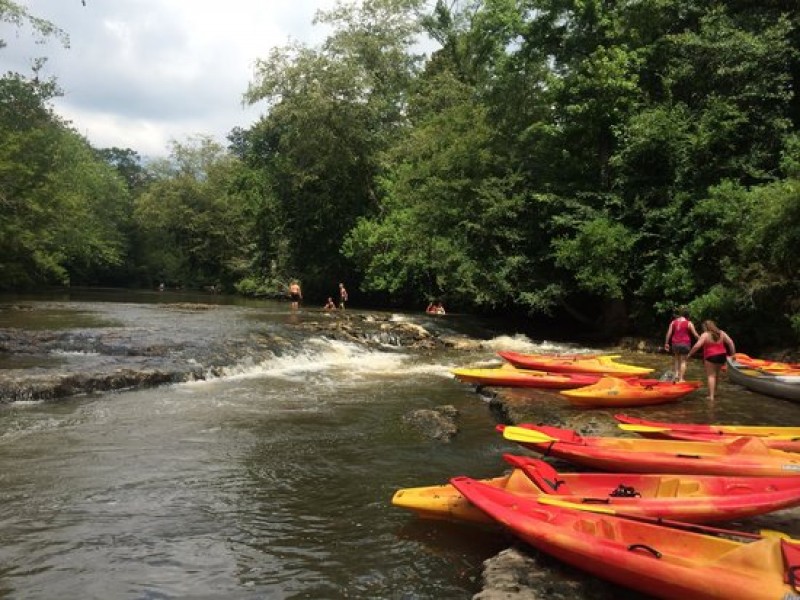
272,479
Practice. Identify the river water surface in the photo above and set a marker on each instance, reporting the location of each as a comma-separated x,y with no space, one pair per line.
270,479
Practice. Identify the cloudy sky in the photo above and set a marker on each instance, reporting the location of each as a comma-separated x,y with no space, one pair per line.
139,73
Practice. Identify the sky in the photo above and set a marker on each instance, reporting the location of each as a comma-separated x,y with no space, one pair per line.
140,73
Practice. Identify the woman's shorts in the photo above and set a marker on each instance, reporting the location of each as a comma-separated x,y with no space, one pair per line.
716,359
680,348
294,297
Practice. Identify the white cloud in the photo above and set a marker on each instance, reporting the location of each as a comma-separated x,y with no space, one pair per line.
141,72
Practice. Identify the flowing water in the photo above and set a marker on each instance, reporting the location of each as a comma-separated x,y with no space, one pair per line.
270,479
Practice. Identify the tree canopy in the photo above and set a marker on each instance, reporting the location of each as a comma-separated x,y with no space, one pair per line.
593,161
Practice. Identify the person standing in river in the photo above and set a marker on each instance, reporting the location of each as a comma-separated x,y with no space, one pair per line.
678,341
295,294
342,296
716,345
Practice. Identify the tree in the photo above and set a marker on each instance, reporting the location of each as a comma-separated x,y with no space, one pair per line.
333,110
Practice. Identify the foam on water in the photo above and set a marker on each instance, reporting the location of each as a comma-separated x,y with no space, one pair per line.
522,343
321,356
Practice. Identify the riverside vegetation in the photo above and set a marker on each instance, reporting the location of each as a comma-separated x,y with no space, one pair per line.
600,163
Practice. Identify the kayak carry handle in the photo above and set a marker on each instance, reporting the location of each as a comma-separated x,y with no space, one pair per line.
645,547
595,500
688,455
791,576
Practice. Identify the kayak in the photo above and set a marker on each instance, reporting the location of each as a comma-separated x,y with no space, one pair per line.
777,437
742,456
767,365
510,376
786,387
694,498
614,391
576,363
674,562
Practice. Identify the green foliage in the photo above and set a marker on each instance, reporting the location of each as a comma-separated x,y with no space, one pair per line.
192,217
63,210
597,255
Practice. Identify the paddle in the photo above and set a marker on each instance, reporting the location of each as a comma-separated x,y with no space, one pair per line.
643,428
530,436
653,520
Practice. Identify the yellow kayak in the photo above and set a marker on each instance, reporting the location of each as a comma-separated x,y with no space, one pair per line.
597,364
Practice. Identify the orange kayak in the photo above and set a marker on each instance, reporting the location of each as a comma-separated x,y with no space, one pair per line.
772,366
674,562
576,363
695,498
777,437
742,456
509,376
614,391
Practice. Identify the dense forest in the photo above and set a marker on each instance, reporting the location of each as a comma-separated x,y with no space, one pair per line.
595,161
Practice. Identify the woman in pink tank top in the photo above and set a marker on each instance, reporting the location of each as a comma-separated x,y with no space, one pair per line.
678,342
716,345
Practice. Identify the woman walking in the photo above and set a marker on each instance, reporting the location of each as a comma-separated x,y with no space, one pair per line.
678,341
716,345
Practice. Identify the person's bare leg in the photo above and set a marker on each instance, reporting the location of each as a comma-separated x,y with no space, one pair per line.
682,367
712,371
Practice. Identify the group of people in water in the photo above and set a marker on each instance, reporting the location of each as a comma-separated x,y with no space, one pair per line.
331,305
715,344
296,295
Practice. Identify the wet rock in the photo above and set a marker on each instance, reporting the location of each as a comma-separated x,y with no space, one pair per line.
374,330
438,423
639,344
49,386
519,573
463,344
511,575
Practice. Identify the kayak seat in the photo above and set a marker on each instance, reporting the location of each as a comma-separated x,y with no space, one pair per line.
600,528
748,445
688,488
546,478
668,488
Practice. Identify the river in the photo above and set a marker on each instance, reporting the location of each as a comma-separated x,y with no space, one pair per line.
270,476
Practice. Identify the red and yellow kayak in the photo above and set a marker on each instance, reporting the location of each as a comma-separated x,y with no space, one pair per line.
673,562
576,363
695,498
742,456
614,391
509,376
770,366
777,437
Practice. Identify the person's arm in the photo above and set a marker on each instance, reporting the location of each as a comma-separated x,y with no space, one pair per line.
669,336
729,343
698,344
693,331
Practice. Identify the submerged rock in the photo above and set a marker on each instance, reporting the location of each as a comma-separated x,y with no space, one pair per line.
520,573
438,423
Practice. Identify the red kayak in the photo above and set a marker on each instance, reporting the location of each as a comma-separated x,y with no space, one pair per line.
674,562
575,363
777,437
510,376
742,456
693,498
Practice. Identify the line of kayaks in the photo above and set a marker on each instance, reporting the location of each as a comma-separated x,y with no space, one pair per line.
780,380
599,380
584,380
636,522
